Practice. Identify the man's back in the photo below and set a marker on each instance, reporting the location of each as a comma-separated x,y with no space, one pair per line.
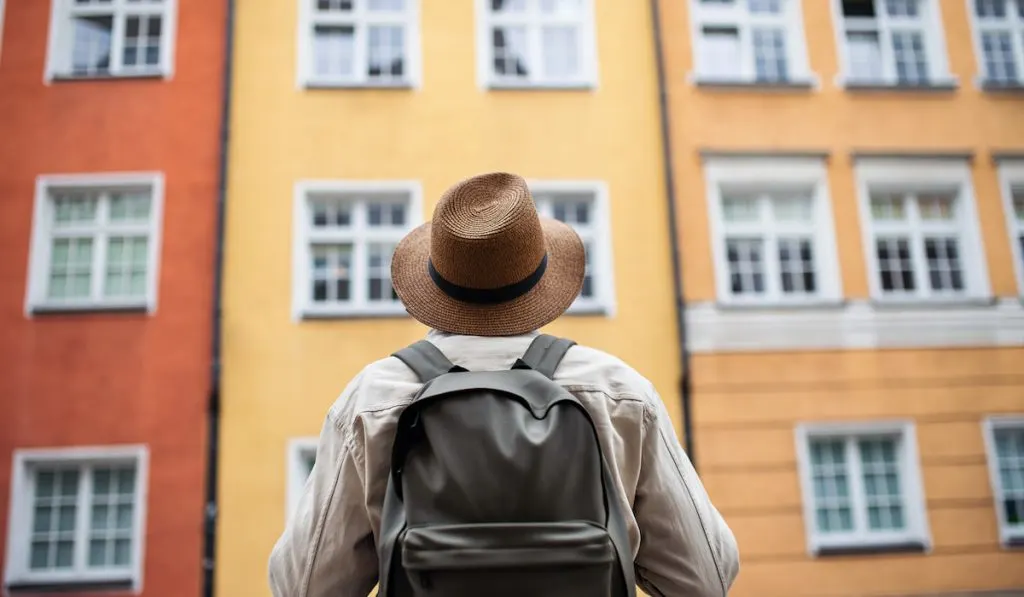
681,546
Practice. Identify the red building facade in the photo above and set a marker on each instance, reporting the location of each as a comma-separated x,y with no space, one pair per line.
110,147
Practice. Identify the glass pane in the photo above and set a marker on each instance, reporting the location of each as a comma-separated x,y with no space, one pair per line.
122,552
796,265
66,520
129,207
770,60
101,481
739,209
44,484
865,52
334,50
500,6
126,482
386,5
42,519
935,207
90,53
887,207
386,52
1018,204
746,265
911,59
561,52
68,483
510,51
379,271
97,553
902,8
990,8
792,209
40,556
765,6
341,5
719,52
560,7
74,208
1000,58
100,517
65,551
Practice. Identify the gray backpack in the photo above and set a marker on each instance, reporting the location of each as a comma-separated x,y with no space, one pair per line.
498,487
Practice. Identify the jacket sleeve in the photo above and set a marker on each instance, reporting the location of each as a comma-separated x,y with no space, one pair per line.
327,547
686,548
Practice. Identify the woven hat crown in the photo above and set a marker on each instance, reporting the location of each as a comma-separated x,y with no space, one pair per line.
486,232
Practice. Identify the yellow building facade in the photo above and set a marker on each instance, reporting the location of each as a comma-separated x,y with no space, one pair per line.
348,121
850,205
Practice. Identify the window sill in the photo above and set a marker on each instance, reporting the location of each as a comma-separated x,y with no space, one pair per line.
69,586
588,311
930,87
871,549
818,305
58,309
396,86
1015,543
308,315
1002,87
68,78
854,325
939,303
523,86
706,82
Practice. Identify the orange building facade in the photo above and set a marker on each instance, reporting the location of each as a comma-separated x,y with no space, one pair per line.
110,118
850,192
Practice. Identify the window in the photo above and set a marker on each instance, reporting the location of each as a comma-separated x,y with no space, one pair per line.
347,233
758,41
1004,438
359,43
111,38
95,242
862,487
772,231
301,457
1012,178
999,31
583,206
892,42
77,518
922,235
537,43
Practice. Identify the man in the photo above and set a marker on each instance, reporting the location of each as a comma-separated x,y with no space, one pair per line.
484,275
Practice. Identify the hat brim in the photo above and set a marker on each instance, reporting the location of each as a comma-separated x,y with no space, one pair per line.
545,302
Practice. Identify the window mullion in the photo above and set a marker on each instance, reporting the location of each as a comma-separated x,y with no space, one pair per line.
81,544
99,251
885,47
745,38
537,68
858,498
917,252
361,52
359,288
117,42
1017,41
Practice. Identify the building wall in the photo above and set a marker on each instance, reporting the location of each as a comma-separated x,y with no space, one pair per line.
99,379
749,402
281,374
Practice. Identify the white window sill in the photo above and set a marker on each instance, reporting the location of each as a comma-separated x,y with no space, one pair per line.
69,77
855,325
53,307
868,547
334,84
937,85
334,312
994,86
541,85
588,309
1013,539
798,83
36,584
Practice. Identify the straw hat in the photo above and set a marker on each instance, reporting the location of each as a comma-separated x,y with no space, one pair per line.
487,264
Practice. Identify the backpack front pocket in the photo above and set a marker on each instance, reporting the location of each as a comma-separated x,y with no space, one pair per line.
509,560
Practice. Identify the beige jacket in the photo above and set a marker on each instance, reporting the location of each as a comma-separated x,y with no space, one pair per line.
681,545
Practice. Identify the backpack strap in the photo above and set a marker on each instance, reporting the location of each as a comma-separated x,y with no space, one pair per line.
544,354
426,360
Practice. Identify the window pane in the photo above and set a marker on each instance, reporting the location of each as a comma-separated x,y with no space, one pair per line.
935,207
379,271
944,269
331,213
1018,204
883,497
990,8
720,51
387,52
142,41
334,50
561,52
831,486
129,207
894,265
792,209
902,8
73,208
127,260
770,55
70,268
739,209
509,45
386,5
90,50
796,265
386,214
859,8
865,55
887,207
332,273
500,6
575,212
342,5
52,523
911,60
746,265
765,6
1000,62
1010,460
560,7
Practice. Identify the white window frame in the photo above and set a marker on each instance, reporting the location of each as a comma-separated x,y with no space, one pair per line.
1011,174
488,79
911,487
59,50
39,253
298,449
409,19
1007,535
302,306
602,267
1014,24
761,173
738,15
1,31
16,570
929,174
939,74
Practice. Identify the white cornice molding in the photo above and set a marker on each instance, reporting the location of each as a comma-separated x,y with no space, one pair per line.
854,325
